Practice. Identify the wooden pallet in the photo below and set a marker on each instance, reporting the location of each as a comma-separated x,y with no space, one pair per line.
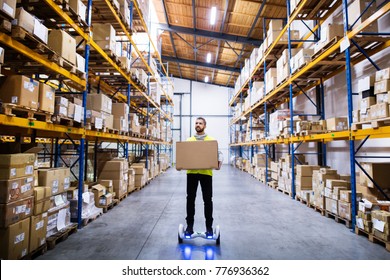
122,197
61,120
372,238
41,250
374,124
285,192
32,114
114,203
338,219
90,219
28,39
318,209
60,236
301,200
326,47
112,131
273,184
5,26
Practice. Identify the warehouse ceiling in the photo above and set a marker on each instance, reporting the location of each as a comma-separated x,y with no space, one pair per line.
188,36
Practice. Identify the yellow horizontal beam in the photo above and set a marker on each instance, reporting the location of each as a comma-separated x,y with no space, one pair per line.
61,129
10,42
381,132
39,125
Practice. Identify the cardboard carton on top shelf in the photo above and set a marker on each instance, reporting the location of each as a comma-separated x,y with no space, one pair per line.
104,32
79,8
383,74
14,240
8,7
197,155
24,19
63,44
20,90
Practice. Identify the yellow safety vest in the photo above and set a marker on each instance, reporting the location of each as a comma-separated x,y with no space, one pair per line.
201,171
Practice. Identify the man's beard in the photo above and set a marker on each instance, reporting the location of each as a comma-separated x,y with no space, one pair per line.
198,129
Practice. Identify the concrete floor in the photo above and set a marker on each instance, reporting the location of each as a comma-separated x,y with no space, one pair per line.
256,223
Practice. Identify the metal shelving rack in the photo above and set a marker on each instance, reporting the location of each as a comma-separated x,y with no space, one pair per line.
80,137
289,89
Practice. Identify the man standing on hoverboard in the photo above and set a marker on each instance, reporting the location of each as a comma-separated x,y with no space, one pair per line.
205,177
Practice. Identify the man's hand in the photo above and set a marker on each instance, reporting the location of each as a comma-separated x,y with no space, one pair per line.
219,165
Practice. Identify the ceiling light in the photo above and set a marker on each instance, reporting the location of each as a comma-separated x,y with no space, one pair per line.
206,79
208,58
213,15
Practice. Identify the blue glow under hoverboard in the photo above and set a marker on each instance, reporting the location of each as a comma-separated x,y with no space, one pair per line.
182,236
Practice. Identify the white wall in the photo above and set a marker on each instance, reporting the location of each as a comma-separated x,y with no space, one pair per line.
205,100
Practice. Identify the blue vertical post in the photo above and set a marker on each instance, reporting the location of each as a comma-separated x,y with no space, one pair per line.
350,108
266,146
250,120
265,104
322,108
291,106
241,125
82,140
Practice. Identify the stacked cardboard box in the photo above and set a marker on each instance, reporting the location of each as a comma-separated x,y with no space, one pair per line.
382,92
116,170
270,80
59,214
16,204
104,35
120,111
329,32
46,98
141,175
282,65
274,29
56,180
134,123
131,186
304,180
337,124
310,127
285,175
100,106
20,90
63,44
320,177
381,224
30,23
367,99
300,59
345,203
373,216
332,194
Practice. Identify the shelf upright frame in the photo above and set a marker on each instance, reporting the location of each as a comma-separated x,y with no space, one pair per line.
266,148
350,109
292,148
82,140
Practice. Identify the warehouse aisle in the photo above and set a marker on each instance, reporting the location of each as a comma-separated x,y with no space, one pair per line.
256,223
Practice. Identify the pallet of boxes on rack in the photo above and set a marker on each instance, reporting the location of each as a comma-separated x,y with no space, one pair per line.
373,110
